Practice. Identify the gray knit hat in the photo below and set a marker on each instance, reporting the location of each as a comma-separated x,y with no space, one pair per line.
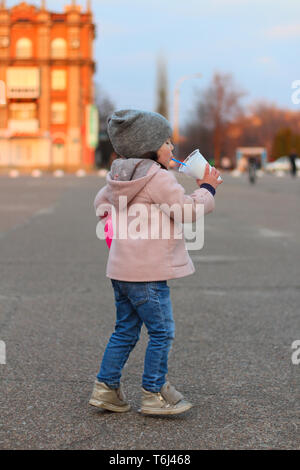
134,133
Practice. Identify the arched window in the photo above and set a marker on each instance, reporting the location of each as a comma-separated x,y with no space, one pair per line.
24,48
59,48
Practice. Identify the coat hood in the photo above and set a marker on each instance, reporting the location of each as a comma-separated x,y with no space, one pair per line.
128,177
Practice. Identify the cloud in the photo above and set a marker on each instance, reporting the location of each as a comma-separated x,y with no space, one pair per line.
286,31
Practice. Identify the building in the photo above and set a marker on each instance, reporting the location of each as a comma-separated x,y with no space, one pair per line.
47,117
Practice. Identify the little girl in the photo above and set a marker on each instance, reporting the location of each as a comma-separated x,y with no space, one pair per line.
140,267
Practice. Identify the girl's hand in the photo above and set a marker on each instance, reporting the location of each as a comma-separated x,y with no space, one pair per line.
210,177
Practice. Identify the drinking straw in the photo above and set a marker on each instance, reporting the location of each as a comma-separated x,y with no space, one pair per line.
181,163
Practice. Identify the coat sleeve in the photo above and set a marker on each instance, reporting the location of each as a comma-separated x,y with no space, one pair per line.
165,191
102,205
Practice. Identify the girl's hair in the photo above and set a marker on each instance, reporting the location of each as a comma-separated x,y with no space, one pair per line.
150,156
153,156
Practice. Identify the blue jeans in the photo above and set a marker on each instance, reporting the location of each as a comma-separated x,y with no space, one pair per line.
138,303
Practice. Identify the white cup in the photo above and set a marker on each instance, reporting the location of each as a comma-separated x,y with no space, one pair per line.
195,165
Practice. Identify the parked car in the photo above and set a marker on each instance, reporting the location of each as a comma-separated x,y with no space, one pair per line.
281,164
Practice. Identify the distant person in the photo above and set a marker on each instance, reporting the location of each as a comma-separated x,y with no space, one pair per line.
139,268
293,156
252,167
226,163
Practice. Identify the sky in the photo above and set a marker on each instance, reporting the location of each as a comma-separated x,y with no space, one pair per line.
257,41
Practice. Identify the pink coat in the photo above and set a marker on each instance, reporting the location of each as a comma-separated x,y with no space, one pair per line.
147,183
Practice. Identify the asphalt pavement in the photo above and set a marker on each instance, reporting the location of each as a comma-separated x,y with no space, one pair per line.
236,319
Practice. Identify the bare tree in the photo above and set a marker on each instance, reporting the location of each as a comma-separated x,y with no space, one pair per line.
218,106
220,125
105,107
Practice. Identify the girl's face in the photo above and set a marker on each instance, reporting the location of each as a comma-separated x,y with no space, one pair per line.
164,154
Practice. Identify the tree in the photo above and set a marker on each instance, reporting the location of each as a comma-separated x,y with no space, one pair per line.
105,107
285,141
266,125
162,106
218,106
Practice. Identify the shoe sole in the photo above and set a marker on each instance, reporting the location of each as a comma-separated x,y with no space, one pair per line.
160,411
109,406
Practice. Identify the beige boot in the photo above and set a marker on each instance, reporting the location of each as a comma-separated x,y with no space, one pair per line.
109,399
166,402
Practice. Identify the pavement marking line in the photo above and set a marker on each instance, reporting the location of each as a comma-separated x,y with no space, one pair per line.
220,258
236,289
9,297
13,207
268,233
214,292
43,211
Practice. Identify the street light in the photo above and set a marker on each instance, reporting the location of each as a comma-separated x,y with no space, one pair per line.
176,135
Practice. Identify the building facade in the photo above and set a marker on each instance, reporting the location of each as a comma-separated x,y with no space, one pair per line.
47,116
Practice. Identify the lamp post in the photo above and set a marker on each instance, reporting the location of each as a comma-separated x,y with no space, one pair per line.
176,134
